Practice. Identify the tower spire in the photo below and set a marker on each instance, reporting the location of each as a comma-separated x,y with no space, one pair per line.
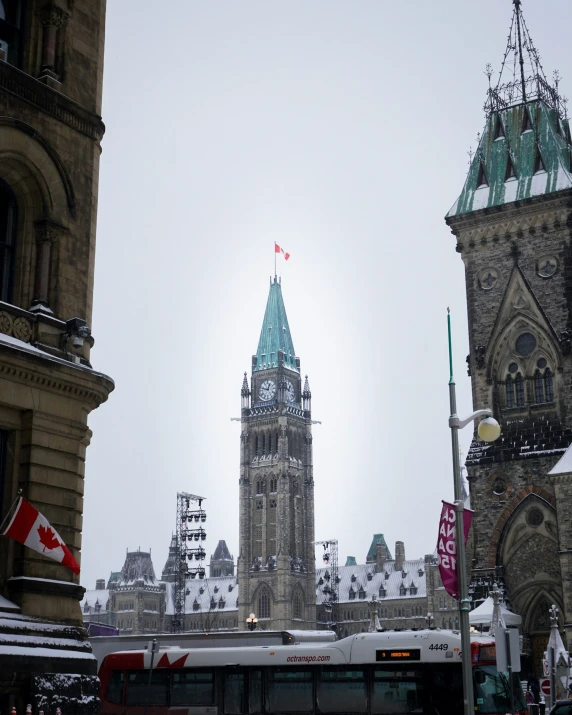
521,77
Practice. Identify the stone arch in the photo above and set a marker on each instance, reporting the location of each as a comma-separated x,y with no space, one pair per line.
263,601
508,513
36,176
501,349
536,616
22,140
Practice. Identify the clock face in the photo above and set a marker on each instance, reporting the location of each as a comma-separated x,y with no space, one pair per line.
267,390
290,391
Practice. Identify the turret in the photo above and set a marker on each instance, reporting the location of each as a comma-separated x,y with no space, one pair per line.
306,396
245,394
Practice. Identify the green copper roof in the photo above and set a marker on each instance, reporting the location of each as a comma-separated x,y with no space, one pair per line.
524,152
275,333
351,561
377,539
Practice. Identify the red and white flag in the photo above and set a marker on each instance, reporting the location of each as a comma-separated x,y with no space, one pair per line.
27,526
277,249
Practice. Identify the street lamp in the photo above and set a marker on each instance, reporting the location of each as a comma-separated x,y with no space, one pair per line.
488,430
251,622
429,618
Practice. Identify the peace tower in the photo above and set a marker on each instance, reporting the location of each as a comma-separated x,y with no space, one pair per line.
276,569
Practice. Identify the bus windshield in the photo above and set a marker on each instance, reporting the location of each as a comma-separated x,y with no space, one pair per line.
492,694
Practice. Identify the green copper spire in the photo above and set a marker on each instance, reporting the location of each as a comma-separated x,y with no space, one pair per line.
526,148
275,333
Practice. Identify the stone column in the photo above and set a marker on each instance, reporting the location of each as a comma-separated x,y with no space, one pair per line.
46,233
53,18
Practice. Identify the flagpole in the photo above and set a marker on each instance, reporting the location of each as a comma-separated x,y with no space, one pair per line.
274,259
5,519
464,604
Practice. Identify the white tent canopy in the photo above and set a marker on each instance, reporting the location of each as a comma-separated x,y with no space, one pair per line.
483,615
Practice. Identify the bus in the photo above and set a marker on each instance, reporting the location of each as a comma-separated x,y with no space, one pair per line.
382,673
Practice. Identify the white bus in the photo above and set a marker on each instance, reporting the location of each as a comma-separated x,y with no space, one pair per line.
370,673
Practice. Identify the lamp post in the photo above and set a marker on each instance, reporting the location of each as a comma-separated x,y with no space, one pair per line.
251,622
429,618
488,430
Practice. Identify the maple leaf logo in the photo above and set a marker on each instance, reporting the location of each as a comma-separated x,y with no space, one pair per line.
47,538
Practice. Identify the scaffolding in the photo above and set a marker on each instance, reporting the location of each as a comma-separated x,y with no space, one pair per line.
189,547
331,588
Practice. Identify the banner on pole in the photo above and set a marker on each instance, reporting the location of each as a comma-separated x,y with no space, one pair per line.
447,546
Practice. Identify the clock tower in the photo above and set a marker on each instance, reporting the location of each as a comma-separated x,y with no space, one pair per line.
276,569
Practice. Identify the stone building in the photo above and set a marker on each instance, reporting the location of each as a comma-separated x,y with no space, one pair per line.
51,66
403,593
276,569
512,223
222,562
137,599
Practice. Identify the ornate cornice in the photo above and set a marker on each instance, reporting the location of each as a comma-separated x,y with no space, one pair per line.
31,90
54,375
517,211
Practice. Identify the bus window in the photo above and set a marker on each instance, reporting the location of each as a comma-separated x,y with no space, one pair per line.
233,693
396,692
342,691
491,690
289,691
139,692
115,687
255,691
191,688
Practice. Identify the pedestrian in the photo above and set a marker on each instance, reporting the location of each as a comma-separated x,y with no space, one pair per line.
533,686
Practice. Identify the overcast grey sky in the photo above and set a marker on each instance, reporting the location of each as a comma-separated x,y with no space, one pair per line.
339,129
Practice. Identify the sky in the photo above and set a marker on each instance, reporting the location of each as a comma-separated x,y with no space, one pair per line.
339,130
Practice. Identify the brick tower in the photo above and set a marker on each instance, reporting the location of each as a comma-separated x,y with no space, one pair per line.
513,224
51,67
276,566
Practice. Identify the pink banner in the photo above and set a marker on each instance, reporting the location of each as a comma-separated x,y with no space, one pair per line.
447,547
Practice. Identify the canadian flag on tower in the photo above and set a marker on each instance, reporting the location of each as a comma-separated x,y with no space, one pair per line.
277,249
27,526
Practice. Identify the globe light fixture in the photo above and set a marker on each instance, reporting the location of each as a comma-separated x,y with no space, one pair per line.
251,622
489,429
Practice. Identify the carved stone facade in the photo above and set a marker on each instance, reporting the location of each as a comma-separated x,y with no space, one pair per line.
518,269
50,132
276,563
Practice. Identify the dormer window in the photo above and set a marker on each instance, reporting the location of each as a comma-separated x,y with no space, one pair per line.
352,594
353,578
402,590
481,176
369,575
382,592
361,592
195,605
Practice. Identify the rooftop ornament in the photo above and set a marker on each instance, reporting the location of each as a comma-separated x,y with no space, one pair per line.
522,78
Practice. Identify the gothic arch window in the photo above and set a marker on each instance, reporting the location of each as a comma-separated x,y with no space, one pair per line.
256,446
263,445
8,227
264,602
276,442
270,444
297,606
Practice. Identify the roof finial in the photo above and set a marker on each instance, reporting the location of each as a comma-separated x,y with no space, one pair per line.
528,81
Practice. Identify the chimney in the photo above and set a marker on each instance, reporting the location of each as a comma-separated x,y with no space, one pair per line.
379,557
399,555
100,584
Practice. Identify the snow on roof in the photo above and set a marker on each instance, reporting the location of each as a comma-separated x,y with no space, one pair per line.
6,605
223,591
414,574
90,598
564,464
